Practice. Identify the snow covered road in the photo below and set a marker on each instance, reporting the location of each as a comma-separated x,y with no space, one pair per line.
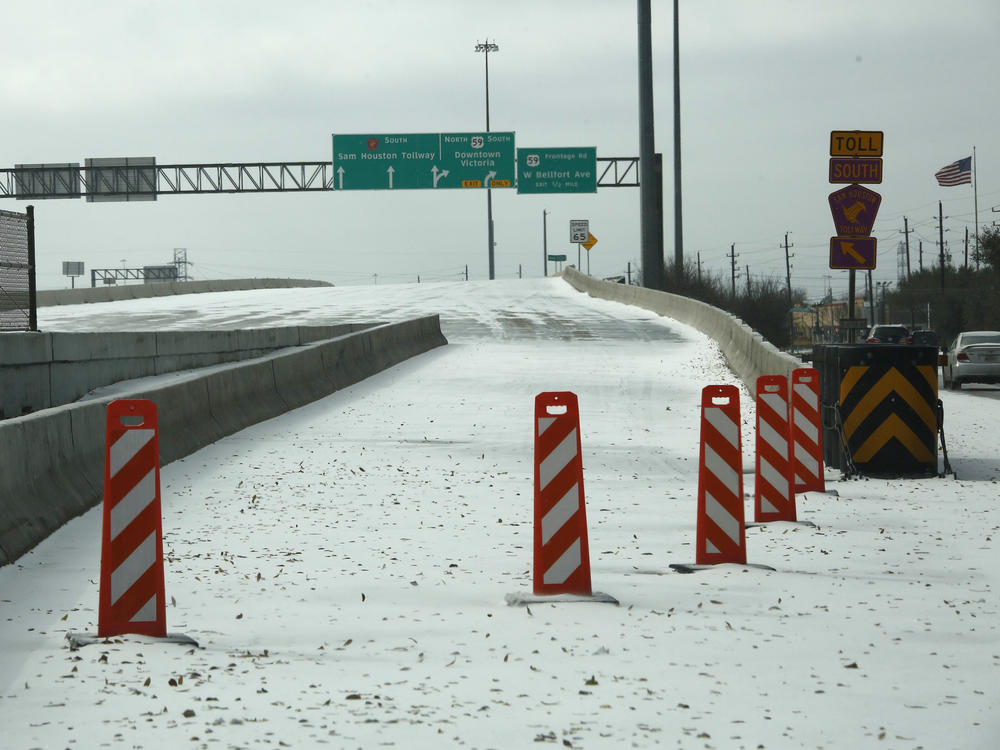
344,566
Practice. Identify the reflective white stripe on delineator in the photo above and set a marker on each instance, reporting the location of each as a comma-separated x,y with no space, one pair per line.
710,548
773,477
807,427
136,501
809,463
557,460
563,568
560,513
725,426
773,438
125,575
544,423
776,403
722,518
125,447
806,394
725,473
147,613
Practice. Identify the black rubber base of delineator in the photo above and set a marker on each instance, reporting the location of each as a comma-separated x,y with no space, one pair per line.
695,567
79,640
520,600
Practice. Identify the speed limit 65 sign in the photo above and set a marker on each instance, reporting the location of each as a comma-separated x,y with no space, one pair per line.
579,230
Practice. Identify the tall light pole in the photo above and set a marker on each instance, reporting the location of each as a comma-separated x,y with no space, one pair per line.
650,164
545,241
487,47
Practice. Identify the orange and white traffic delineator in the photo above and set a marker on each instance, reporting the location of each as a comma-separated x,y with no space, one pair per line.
132,594
807,431
721,535
773,494
131,598
561,551
562,554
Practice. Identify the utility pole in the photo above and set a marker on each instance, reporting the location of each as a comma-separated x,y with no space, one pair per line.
699,268
966,247
788,270
732,261
788,280
941,236
748,279
906,233
920,256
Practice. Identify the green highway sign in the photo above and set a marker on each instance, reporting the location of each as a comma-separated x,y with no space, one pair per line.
423,160
558,258
557,170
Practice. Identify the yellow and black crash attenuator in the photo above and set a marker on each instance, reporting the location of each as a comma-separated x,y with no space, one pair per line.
888,407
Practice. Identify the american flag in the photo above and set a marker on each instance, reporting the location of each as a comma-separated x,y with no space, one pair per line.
957,173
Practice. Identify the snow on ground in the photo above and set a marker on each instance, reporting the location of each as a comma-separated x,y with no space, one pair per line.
344,566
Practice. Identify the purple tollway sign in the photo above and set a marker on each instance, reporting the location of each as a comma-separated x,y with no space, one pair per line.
854,209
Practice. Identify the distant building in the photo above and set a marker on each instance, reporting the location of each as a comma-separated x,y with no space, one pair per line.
820,323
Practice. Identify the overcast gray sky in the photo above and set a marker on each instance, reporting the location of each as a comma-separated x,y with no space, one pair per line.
762,85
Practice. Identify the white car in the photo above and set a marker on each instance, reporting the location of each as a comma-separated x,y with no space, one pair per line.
973,357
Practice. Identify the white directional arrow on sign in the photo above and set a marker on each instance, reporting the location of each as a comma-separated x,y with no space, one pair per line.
391,172
489,178
438,174
340,174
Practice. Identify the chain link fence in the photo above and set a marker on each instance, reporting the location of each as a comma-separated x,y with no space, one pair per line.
15,273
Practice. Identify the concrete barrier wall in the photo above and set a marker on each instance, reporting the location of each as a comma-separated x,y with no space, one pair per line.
747,353
115,292
42,370
52,462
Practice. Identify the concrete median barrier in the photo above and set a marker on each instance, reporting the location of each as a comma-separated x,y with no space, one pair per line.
746,352
41,487
42,370
52,461
115,292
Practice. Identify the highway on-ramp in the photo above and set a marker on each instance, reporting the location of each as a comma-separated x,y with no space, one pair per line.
344,567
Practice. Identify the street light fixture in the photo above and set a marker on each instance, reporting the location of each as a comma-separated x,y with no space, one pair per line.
487,47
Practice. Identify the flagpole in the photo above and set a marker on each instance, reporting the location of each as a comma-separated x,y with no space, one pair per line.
975,200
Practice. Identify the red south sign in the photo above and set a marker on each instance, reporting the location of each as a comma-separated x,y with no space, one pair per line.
846,171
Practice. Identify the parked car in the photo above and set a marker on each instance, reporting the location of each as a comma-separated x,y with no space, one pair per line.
887,334
973,357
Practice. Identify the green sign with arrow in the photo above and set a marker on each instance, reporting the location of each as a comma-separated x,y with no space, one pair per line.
423,160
